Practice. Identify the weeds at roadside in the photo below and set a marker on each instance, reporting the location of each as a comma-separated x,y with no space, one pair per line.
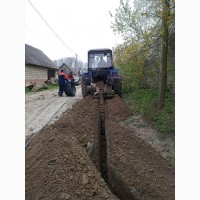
27,90
50,87
144,102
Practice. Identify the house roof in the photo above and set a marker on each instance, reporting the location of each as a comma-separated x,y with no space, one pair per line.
35,56
69,69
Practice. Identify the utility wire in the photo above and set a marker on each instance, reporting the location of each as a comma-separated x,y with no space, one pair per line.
52,29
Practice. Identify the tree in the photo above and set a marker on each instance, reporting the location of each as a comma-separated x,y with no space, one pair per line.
138,22
164,53
144,25
70,61
131,63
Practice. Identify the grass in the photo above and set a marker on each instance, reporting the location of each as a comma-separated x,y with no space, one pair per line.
50,87
144,101
27,90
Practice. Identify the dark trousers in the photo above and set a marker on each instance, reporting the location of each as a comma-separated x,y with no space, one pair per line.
62,88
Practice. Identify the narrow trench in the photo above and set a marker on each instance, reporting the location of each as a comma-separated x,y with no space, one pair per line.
103,153
99,157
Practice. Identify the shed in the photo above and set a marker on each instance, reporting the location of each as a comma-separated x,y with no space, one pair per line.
67,69
38,67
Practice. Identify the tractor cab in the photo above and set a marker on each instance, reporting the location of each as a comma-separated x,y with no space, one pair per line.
99,58
99,64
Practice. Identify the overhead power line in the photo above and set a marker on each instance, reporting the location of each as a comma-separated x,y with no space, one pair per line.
52,29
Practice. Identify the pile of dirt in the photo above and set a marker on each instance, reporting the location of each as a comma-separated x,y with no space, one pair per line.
133,163
62,162
57,161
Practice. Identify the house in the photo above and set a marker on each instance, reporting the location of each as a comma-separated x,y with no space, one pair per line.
38,67
67,69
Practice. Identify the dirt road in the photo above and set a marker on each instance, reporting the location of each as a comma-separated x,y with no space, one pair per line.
46,106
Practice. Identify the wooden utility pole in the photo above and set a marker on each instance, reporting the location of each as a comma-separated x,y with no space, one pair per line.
76,63
164,53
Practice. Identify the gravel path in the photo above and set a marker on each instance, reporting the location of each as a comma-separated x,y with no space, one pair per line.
40,107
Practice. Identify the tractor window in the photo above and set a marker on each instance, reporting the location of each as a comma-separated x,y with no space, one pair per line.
100,60
109,61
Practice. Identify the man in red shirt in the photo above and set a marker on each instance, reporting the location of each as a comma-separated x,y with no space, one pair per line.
71,77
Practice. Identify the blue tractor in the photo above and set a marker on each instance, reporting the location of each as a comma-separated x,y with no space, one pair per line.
100,69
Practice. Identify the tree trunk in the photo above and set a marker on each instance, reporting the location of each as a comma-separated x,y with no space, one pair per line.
164,52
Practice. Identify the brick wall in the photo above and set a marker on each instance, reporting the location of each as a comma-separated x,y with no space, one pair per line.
35,74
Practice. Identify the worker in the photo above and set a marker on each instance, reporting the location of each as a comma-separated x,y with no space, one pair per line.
61,82
102,62
71,77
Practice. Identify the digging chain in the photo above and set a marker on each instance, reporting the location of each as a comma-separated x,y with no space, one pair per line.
102,107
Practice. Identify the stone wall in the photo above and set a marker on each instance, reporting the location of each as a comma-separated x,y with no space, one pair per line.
35,74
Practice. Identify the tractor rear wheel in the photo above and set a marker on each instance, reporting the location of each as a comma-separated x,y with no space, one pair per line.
84,89
118,87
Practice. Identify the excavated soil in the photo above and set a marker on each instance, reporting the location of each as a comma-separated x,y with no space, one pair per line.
137,171
63,161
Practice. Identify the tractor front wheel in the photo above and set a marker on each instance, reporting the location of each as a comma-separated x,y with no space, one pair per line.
84,89
118,87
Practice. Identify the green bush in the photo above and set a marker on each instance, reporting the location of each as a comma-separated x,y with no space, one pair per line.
27,90
144,101
50,87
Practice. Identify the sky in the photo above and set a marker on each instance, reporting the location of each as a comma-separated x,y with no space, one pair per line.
81,25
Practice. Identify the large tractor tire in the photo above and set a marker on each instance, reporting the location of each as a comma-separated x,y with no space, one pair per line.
118,87
70,89
84,90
